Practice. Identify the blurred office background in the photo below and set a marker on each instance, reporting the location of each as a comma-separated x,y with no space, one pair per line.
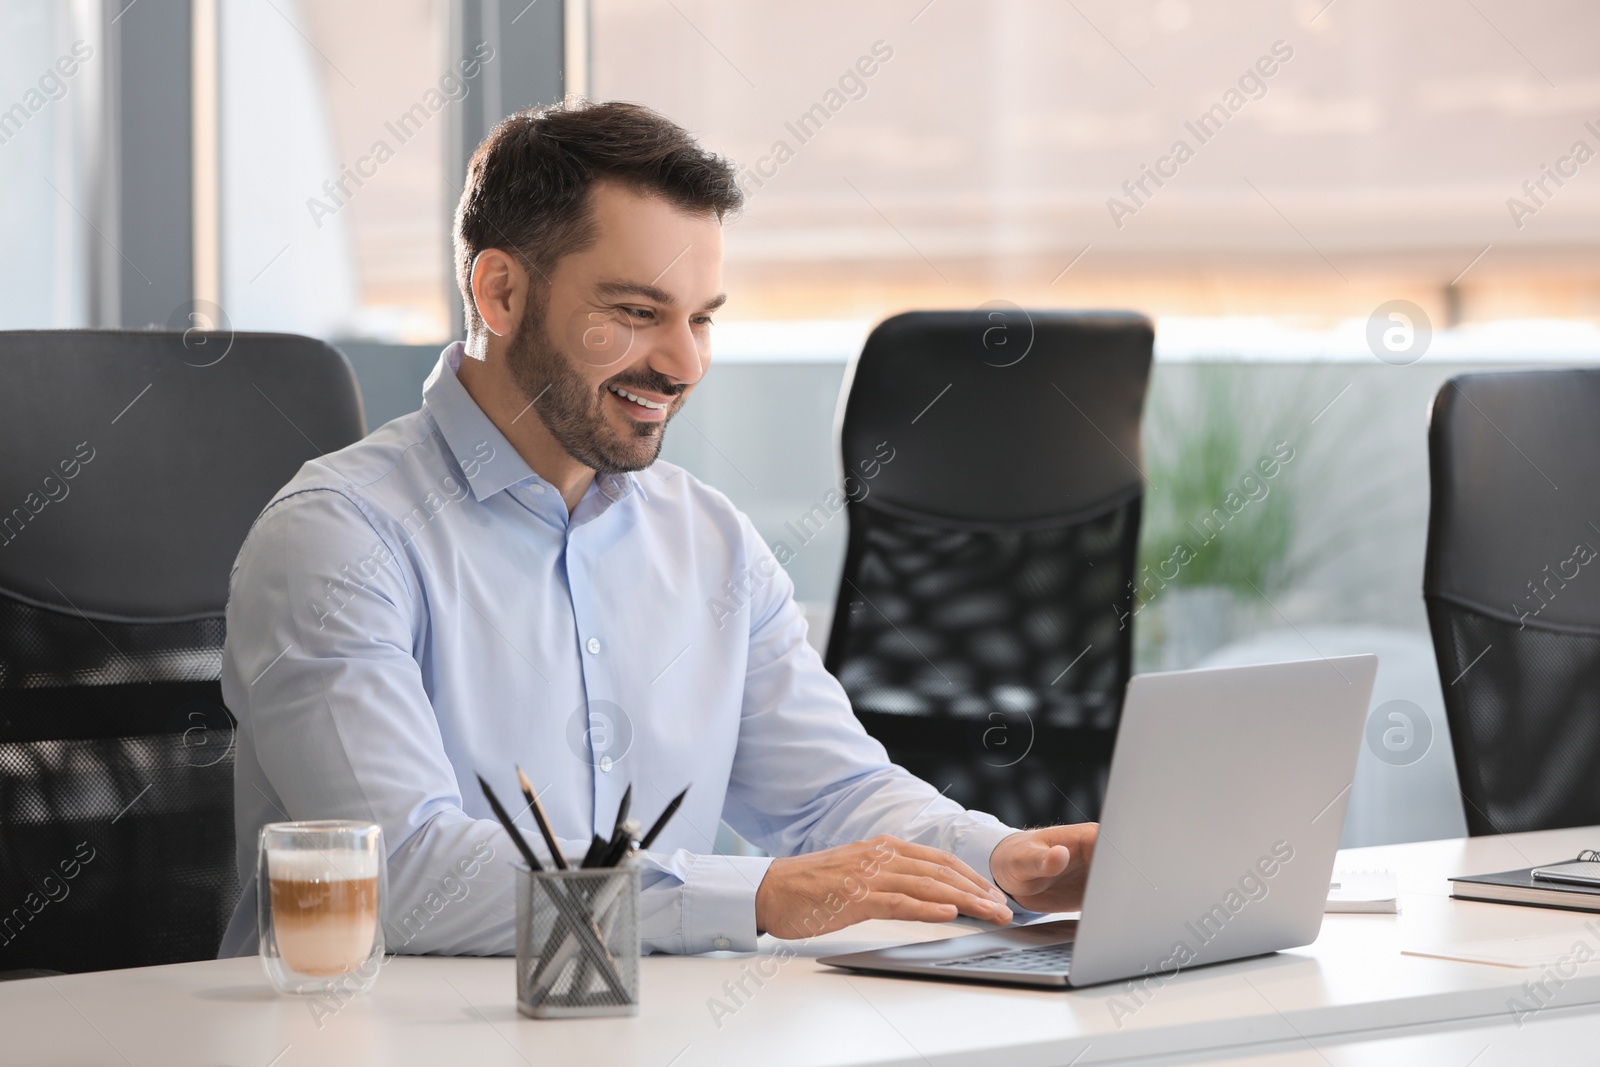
1371,198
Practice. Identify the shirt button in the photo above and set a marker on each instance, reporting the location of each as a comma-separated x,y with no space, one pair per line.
605,763
538,488
593,646
721,942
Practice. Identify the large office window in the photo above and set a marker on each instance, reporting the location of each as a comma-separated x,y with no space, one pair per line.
51,66
1297,158
1261,177
335,202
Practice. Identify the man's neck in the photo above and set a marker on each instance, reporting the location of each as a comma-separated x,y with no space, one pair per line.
489,383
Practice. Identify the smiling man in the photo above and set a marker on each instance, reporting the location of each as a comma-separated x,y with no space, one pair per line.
509,576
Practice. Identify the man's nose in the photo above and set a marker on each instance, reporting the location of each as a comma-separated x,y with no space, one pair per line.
678,355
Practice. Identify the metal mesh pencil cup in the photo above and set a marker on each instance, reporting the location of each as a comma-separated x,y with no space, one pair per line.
578,942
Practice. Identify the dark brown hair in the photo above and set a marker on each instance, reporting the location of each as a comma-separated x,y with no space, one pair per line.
527,188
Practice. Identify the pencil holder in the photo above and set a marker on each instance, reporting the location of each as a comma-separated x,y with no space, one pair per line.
578,942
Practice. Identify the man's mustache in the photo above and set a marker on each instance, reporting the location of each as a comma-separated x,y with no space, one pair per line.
657,384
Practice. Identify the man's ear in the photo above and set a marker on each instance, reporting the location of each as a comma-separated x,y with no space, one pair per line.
499,290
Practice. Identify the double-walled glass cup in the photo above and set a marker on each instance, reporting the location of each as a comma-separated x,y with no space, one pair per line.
319,889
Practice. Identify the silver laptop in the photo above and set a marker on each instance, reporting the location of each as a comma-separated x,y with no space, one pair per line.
1217,838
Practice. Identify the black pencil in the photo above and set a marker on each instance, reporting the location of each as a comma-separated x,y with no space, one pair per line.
597,848
583,925
661,823
505,820
622,809
621,843
600,849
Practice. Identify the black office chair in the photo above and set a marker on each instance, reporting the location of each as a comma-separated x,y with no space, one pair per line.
992,469
131,466
1512,586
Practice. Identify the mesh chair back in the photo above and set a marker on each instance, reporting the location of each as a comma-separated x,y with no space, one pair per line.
131,467
992,472
1512,586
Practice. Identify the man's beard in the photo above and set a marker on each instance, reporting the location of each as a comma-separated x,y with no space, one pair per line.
575,415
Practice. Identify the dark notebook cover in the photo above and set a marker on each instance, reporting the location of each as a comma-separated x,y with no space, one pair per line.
1521,887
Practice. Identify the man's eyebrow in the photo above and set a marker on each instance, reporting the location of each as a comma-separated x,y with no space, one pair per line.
653,293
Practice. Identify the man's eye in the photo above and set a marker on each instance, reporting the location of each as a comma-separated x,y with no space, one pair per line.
639,313
702,320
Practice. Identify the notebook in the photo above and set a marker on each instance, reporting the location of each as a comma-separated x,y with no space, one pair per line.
1559,885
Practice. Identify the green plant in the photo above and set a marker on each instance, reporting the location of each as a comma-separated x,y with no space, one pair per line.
1218,500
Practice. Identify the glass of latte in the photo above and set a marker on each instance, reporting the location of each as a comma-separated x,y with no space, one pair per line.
319,888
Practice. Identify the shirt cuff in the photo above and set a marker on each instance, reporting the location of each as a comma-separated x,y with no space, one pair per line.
719,903
973,846
975,842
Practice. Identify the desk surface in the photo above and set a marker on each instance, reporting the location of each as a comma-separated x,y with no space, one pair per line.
1349,995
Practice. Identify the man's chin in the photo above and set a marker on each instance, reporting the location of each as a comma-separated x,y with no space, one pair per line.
634,452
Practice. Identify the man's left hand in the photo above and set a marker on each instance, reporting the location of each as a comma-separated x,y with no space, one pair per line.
1045,869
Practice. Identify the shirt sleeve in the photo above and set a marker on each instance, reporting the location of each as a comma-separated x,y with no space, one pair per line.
806,775
321,671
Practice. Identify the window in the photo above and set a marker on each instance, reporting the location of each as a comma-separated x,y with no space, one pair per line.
944,153
335,203
50,70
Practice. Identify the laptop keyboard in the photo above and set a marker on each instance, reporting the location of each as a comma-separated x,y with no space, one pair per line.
1043,959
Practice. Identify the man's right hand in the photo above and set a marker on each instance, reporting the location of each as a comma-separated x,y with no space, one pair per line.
884,878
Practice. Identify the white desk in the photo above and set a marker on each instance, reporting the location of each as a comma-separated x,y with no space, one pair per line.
1559,1037
1350,995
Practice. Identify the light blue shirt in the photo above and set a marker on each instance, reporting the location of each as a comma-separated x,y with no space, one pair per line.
419,608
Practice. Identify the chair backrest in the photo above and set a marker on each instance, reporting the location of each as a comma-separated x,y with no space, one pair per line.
131,467
992,473
1512,586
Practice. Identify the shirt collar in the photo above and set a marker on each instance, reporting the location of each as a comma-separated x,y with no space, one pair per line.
485,457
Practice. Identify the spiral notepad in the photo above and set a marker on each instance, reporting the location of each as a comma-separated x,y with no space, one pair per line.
1585,870
1363,892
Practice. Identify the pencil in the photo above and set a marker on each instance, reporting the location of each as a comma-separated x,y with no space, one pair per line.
597,848
621,843
661,823
544,824
505,820
582,921
622,808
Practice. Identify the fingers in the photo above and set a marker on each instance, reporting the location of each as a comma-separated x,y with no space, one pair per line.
1079,837
1037,865
909,907
1048,861
929,889
933,876
885,878
940,858
949,874
1046,869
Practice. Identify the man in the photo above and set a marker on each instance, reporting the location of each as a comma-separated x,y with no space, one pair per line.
508,576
